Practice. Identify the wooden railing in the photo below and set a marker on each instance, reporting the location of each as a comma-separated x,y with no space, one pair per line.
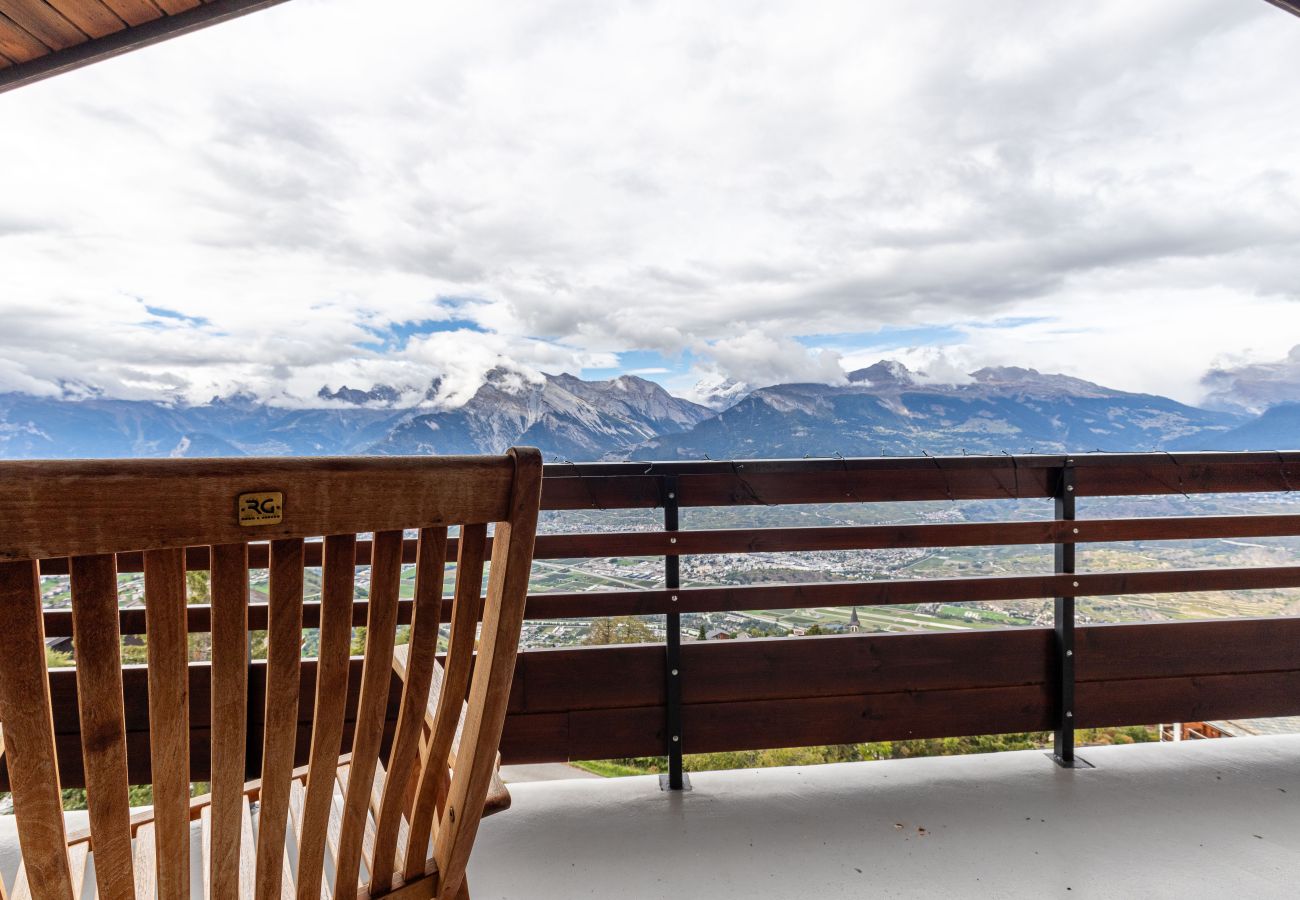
612,701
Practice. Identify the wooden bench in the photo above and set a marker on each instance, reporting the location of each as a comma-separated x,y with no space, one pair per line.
301,831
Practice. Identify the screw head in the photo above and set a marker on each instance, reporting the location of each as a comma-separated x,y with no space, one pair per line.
676,738
672,540
674,671
1067,653
1069,487
1076,531
672,495
1075,583
1069,715
674,598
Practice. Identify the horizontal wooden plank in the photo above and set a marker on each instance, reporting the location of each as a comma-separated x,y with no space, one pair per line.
595,702
746,482
150,504
1196,698
585,604
587,545
894,592
1177,649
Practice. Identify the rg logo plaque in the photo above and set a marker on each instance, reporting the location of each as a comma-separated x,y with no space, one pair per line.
266,508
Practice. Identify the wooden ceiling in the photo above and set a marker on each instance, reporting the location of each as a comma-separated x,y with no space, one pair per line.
40,38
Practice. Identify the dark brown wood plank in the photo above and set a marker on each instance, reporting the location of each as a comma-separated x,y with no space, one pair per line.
134,12
92,17
29,752
181,503
1188,699
280,717
43,22
102,722
17,43
169,719
1177,649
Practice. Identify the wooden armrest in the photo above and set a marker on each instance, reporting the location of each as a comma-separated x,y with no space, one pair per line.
498,797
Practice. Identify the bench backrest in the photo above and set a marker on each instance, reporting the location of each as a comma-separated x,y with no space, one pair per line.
88,512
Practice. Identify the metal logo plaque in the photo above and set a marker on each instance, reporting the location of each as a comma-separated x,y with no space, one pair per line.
265,508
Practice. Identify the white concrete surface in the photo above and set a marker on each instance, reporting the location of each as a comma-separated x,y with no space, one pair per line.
543,772
1214,818
1195,819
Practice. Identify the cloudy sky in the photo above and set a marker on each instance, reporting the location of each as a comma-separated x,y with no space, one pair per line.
768,191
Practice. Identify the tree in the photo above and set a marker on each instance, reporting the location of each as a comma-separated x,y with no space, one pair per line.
619,630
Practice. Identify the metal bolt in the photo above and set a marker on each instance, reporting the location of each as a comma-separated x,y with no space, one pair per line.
676,738
1076,531
1068,715
674,671
1075,583
672,540
674,598
1069,487
451,811
671,495
1067,653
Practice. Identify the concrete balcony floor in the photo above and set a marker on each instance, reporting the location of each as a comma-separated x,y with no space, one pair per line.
1203,818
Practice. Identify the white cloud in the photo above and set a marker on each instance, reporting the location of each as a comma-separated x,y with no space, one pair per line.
669,176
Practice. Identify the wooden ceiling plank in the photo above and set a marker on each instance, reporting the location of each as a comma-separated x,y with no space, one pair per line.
134,12
91,16
172,7
43,22
31,69
18,44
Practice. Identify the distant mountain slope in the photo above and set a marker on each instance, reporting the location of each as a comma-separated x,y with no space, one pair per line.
37,427
885,410
1278,428
882,409
563,415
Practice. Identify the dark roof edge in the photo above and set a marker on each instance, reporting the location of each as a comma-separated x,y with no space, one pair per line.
128,39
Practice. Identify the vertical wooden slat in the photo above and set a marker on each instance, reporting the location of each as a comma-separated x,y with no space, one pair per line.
29,733
283,663
103,722
503,615
169,717
451,697
229,716
376,675
337,594
431,561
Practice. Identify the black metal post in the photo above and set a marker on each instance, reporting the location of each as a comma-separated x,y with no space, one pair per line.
1063,618
675,779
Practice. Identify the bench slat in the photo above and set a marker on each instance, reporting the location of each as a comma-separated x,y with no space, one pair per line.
103,722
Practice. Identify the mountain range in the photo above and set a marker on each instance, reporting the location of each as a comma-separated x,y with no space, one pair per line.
884,409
